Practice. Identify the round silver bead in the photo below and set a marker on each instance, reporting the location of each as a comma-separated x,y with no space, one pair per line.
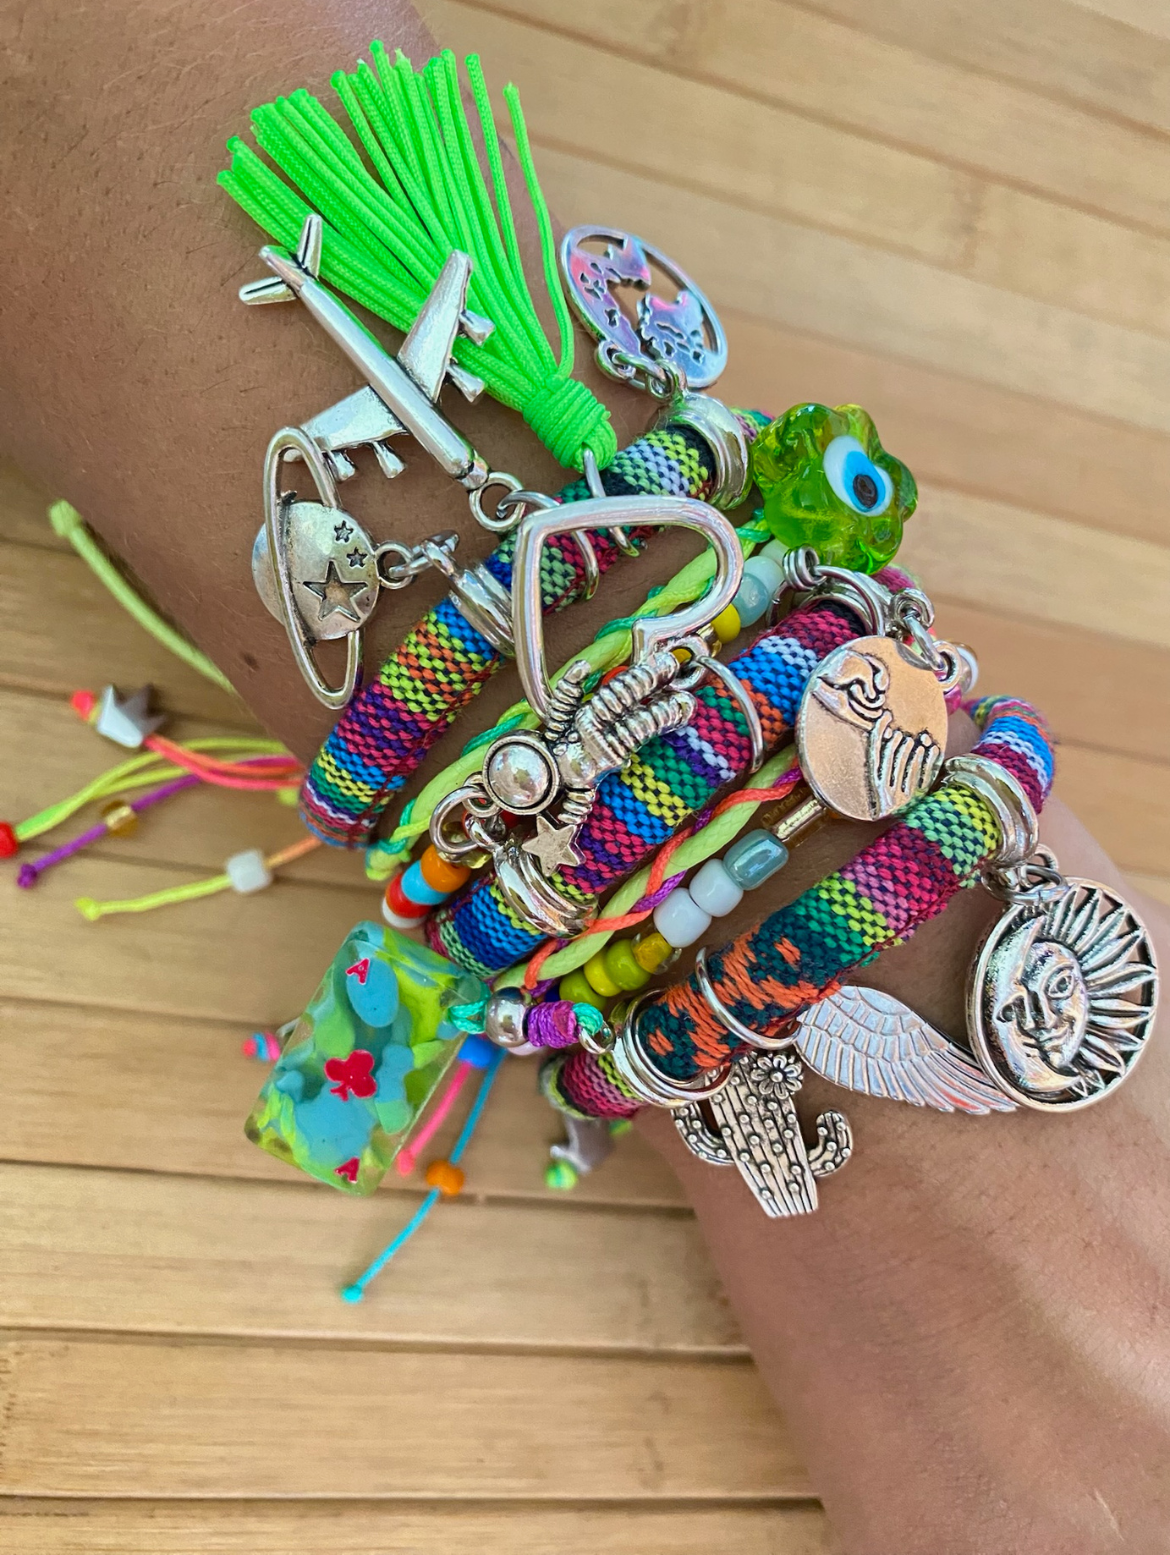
504,1019
520,775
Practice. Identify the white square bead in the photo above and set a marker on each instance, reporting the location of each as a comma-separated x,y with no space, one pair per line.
714,889
680,920
248,872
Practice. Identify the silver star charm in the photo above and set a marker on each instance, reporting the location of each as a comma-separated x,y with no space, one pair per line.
552,845
335,594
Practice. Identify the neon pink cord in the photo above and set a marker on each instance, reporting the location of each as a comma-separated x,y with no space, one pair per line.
408,1155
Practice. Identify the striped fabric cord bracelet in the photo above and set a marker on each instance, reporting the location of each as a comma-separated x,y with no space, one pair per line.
801,953
674,776
393,721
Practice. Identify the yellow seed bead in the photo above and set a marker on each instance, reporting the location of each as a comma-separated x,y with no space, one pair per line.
577,990
652,951
119,818
599,978
623,968
727,625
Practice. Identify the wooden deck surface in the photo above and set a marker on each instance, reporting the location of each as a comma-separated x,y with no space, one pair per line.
958,216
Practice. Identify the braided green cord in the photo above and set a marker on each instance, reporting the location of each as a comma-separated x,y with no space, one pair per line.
69,524
388,232
699,847
609,648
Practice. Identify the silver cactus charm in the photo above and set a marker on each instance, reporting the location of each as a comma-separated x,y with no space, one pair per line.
756,1129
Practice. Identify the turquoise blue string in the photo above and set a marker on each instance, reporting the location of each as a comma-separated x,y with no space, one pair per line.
357,1290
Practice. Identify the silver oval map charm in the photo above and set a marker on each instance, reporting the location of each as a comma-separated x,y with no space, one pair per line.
872,729
684,333
1063,995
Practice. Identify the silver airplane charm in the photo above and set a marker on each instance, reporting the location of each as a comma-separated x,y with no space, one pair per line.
402,390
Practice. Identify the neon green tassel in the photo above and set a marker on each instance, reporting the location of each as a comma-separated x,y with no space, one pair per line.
387,236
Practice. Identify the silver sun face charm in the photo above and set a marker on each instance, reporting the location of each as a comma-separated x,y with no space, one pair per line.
1063,995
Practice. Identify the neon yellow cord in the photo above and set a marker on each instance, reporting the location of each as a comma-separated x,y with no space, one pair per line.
695,850
68,523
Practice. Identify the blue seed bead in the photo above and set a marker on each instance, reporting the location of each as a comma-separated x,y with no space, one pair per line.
414,886
766,570
775,551
752,601
754,858
714,889
761,579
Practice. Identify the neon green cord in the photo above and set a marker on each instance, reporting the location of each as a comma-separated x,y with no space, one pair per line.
139,772
695,850
389,232
92,910
68,523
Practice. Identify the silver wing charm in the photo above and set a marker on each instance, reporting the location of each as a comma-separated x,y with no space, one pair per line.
865,1040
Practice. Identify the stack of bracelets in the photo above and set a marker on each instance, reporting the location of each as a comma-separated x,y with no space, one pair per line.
632,772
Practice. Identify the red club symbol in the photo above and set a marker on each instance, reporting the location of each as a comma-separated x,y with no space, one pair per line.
348,1169
360,970
355,1073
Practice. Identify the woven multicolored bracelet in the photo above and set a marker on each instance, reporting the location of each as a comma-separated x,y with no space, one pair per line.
800,953
387,730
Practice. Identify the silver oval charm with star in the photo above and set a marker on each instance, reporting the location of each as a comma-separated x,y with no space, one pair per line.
1063,995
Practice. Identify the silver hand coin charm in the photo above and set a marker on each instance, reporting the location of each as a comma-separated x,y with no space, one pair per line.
872,729
1063,993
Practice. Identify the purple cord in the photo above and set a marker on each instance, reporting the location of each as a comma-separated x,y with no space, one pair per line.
29,873
649,903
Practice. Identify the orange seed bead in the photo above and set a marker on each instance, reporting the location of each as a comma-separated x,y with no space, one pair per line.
439,874
447,1178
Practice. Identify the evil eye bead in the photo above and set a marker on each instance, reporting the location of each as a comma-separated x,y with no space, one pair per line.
680,920
855,478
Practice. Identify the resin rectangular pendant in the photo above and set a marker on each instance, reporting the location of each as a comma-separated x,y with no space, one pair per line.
363,1059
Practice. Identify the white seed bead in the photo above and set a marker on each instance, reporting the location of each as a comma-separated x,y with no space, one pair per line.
396,920
248,872
770,574
775,551
680,920
714,889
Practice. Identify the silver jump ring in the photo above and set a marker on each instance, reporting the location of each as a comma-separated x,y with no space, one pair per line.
596,487
644,1078
1013,810
745,704
729,1021
503,519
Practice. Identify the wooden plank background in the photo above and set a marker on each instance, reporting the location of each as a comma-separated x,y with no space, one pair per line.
957,215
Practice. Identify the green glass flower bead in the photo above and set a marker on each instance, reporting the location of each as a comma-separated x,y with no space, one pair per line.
827,482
